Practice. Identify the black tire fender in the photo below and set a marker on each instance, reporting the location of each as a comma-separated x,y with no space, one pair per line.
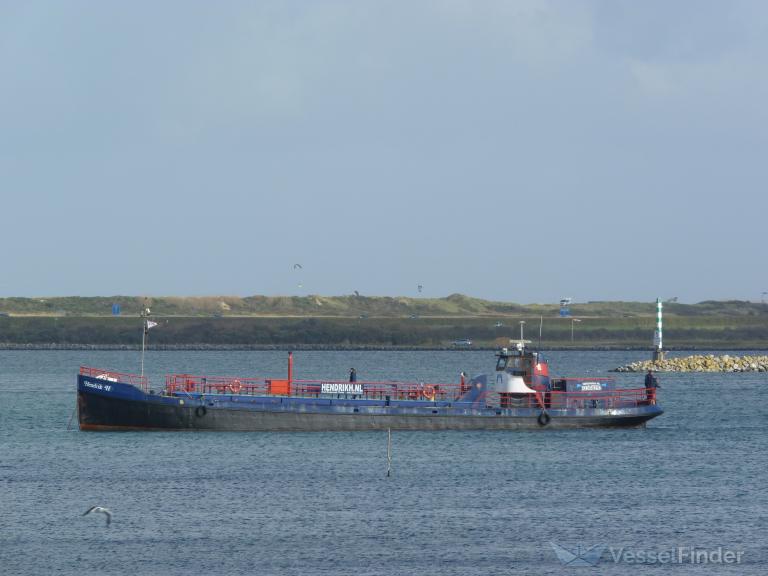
543,419
201,411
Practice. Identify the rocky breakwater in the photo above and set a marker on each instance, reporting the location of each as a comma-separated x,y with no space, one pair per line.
700,363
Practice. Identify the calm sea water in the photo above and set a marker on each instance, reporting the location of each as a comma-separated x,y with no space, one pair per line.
479,503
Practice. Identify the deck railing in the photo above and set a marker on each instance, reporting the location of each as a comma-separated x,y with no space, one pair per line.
378,390
606,399
192,384
141,382
215,384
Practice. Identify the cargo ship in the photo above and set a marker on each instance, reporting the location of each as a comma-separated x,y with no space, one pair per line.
518,394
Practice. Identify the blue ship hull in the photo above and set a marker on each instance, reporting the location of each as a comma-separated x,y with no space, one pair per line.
109,405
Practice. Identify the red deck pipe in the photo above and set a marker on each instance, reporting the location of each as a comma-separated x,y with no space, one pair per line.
290,369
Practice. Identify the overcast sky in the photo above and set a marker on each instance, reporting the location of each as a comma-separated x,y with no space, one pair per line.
513,150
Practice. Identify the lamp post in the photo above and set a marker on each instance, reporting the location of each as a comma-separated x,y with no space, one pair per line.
572,321
522,323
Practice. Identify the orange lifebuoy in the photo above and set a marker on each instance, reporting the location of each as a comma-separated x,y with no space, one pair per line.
429,392
236,387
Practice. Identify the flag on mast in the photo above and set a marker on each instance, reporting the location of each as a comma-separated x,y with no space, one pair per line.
149,325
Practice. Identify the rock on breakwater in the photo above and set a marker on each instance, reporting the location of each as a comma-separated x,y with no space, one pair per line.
700,363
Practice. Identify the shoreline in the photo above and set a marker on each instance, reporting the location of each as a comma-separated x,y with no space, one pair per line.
341,348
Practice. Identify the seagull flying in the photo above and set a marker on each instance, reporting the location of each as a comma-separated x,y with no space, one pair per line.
102,510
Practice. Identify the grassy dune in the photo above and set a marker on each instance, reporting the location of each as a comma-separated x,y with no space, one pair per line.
681,331
456,305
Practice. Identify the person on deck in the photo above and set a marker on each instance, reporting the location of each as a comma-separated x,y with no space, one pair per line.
651,384
352,379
